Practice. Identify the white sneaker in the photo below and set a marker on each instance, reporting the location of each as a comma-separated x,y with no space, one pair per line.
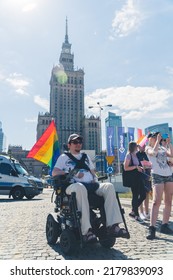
139,220
142,216
147,216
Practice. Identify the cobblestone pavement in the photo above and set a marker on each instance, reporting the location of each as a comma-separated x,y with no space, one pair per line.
22,235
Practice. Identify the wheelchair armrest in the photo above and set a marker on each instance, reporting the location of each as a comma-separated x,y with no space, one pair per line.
60,182
101,178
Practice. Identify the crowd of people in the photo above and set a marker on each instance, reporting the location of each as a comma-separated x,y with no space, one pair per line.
151,169
153,164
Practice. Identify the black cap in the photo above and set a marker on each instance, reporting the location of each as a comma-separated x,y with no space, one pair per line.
153,135
74,136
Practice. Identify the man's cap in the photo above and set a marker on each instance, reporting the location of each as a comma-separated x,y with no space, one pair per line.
74,136
153,135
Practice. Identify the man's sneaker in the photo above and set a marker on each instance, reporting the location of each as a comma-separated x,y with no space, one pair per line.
152,233
89,237
139,220
142,216
165,229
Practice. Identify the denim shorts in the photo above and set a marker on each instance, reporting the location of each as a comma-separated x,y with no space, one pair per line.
158,179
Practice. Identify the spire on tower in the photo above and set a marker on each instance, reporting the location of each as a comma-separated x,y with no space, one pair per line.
66,32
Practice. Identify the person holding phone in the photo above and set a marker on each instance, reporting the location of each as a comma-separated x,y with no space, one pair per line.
162,181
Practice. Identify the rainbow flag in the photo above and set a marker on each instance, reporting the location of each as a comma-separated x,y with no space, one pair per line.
46,149
142,140
139,132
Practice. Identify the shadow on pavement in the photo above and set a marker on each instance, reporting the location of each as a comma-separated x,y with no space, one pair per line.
92,252
165,239
22,200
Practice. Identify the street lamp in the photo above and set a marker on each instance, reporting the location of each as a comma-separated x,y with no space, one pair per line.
101,108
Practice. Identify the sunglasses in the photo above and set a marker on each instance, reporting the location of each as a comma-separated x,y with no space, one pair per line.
75,142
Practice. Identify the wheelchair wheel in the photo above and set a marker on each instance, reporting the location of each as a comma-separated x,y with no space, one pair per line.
52,230
104,239
68,241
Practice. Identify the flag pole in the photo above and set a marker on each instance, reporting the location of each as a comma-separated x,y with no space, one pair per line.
118,156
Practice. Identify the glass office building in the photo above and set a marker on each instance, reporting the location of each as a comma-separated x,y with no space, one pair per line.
163,128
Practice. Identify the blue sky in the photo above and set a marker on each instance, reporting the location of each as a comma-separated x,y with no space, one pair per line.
124,46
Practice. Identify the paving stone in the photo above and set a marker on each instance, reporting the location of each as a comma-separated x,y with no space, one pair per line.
23,235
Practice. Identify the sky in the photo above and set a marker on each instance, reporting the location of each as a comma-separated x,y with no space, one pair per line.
124,46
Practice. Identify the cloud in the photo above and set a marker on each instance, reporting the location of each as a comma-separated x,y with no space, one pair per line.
167,115
19,83
2,77
29,7
132,103
127,20
42,102
31,120
169,70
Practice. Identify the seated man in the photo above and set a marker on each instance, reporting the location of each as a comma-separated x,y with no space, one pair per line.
87,175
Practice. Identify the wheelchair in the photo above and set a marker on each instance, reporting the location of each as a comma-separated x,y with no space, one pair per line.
64,223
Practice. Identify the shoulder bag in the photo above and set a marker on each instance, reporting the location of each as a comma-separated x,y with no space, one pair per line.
128,177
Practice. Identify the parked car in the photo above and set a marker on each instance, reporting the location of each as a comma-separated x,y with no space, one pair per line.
15,180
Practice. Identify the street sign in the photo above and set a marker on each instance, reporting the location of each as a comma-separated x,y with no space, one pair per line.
110,159
109,169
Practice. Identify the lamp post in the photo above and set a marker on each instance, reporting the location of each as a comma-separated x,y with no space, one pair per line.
100,107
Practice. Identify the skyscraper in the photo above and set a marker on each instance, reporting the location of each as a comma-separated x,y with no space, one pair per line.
163,128
2,139
114,121
67,94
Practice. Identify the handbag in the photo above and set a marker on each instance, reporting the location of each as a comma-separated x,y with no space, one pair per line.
128,177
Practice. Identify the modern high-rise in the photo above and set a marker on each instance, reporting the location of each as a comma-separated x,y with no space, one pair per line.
67,94
2,139
114,121
163,128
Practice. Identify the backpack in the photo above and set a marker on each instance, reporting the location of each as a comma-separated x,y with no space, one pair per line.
63,181
80,163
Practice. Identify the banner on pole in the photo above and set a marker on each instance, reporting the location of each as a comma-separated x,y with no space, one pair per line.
110,140
121,144
131,131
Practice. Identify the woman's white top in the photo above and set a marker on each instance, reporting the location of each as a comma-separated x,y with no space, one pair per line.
159,161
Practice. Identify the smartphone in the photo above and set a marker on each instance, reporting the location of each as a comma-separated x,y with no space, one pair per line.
165,136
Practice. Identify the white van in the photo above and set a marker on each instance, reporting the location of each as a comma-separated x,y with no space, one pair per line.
15,180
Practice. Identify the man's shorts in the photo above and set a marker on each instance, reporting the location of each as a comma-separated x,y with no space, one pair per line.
158,179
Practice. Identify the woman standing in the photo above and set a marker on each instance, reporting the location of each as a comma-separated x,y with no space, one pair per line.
131,163
162,181
144,162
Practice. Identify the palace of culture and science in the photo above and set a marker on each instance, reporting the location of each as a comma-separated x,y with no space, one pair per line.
67,103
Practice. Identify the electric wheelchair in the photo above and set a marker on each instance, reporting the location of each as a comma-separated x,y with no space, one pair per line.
64,223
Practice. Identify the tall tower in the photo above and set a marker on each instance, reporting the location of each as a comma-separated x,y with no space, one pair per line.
2,139
115,121
67,94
